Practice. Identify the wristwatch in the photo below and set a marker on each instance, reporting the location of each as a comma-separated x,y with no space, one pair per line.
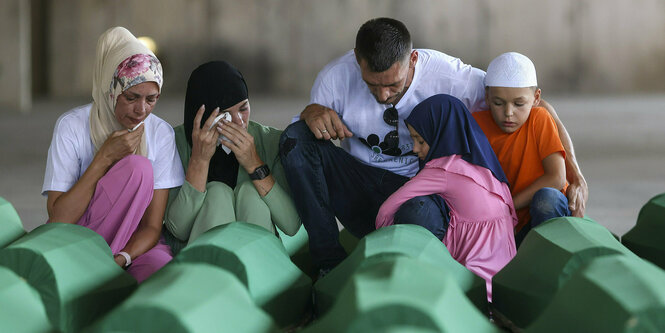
260,173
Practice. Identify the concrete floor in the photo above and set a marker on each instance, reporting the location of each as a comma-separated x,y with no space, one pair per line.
619,142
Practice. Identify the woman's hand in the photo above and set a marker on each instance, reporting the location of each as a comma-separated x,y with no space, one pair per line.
241,143
120,260
204,140
120,144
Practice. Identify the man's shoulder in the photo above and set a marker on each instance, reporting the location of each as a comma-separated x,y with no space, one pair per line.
438,61
343,64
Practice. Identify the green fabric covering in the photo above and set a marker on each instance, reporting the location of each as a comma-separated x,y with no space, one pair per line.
647,238
258,259
188,298
612,294
548,257
301,256
294,244
21,308
11,227
410,240
72,269
392,292
348,241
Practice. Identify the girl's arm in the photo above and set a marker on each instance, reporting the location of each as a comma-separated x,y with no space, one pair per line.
427,181
554,176
149,230
68,207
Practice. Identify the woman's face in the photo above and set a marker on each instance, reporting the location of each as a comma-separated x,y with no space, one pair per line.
239,113
135,104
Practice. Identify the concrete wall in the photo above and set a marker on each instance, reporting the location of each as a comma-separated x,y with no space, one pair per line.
586,46
15,77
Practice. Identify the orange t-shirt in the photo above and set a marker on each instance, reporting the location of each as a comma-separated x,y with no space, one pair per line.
521,153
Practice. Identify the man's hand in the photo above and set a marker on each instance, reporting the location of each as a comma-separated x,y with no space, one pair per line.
578,194
324,123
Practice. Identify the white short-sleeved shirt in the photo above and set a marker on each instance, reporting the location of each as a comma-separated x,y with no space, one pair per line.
72,151
340,86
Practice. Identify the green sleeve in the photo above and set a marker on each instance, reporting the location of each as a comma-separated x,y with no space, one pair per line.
282,209
185,201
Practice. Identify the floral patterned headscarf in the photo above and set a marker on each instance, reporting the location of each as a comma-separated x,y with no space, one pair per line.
122,62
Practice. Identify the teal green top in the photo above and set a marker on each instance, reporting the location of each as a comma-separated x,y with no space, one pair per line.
185,202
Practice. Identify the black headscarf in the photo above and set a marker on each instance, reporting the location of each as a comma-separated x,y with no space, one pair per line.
215,84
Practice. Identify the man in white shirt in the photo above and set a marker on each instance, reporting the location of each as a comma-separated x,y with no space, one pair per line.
362,98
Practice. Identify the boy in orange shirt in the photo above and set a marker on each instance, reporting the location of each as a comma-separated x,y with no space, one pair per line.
525,140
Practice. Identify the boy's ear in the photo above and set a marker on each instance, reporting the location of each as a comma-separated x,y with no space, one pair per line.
536,96
487,96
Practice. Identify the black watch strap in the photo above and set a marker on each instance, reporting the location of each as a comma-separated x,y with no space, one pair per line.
260,173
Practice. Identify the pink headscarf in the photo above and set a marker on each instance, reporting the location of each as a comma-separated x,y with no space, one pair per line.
122,62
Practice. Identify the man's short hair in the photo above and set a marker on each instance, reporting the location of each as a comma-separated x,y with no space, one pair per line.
382,42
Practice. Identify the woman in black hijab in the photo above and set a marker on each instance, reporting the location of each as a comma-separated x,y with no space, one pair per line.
247,183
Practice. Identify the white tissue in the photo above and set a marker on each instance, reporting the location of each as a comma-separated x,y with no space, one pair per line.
135,127
226,116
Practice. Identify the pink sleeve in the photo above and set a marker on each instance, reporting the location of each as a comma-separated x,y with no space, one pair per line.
427,181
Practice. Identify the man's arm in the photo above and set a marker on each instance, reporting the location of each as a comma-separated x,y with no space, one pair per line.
578,190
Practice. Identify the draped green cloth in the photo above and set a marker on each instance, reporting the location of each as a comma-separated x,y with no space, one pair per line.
647,237
72,269
392,292
258,259
613,294
11,227
21,309
549,255
409,240
188,297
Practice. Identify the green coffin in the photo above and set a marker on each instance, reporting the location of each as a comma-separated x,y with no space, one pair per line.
613,294
72,269
21,309
647,238
301,256
258,259
11,227
409,240
548,257
395,293
294,244
188,298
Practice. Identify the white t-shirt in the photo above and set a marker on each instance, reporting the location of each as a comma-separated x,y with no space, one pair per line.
339,86
72,151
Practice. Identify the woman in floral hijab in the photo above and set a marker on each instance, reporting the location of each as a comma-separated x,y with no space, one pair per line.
111,163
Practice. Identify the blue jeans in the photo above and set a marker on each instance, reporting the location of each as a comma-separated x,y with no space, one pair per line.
547,203
327,182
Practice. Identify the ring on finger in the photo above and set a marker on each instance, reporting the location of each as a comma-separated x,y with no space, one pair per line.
324,130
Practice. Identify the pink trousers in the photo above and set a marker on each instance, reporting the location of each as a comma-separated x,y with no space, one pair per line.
115,210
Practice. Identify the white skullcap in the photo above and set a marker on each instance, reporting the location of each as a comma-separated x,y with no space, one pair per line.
511,70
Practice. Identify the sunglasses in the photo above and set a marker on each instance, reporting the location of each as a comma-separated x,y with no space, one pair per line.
390,144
